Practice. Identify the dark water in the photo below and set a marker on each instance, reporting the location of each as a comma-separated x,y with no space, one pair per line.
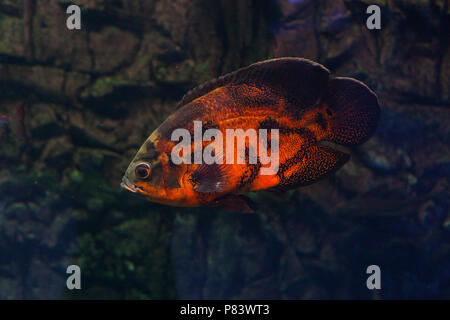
75,105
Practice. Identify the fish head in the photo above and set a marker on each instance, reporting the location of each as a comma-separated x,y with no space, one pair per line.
151,175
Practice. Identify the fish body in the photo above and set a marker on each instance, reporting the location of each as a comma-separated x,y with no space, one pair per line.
292,100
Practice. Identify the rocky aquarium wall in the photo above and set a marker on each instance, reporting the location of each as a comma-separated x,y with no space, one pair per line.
75,106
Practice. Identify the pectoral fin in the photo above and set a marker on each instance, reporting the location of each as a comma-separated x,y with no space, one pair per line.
211,178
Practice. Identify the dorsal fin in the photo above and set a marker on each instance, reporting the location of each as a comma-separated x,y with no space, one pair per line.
299,78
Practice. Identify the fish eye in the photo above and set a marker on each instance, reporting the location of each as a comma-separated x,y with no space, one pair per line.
142,171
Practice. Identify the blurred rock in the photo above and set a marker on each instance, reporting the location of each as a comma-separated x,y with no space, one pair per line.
42,121
58,151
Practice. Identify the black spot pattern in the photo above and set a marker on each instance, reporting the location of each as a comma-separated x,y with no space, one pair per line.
298,156
269,123
317,163
250,175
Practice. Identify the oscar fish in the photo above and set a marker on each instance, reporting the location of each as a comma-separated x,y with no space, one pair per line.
294,96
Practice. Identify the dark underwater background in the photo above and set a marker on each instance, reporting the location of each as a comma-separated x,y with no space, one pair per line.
81,102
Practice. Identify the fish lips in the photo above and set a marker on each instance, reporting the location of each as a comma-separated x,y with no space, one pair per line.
129,186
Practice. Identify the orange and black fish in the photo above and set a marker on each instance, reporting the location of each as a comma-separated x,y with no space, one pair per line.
295,96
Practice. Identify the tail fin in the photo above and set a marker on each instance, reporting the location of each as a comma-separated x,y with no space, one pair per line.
353,111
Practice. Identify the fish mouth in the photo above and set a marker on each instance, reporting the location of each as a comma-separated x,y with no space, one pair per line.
127,185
